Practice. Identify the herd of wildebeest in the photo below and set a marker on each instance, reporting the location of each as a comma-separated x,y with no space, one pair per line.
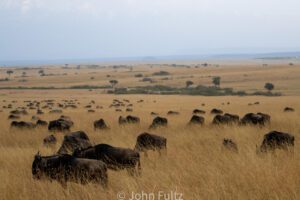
79,161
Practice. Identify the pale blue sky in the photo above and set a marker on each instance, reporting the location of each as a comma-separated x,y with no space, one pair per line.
63,29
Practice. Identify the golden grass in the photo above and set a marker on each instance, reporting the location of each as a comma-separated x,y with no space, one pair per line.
195,165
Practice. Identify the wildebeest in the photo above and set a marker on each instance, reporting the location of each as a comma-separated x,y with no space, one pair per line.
22,124
147,141
116,158
65,168
255,119
289,109
277,140
216,111
62,124
13,116
230,145
159,122
226,119
129,119
196,120
49,140
100,124
132,119
78,139
41,123
197,111
171,112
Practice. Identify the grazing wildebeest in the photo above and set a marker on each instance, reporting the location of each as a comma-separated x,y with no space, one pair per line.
196,120
226,119
19,112
41,123
147,141
62,124
230,145
49,140
171,112
78,139
216,111
129,110
13,116
158,122
277,140
197,111
91,111
122,120
132,119
22,124
116,158
100,124
65,168
153,113
129,119
255,119
289,109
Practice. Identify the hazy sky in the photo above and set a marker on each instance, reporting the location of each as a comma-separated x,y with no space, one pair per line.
63,29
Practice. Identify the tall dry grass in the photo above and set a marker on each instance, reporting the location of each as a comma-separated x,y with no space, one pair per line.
195,164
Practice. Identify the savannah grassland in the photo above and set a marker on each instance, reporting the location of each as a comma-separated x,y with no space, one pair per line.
196,165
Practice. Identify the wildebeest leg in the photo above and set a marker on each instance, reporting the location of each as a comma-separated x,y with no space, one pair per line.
104,179
131,171
146,153
162,151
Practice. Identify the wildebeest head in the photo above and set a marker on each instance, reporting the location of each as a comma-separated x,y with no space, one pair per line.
37,166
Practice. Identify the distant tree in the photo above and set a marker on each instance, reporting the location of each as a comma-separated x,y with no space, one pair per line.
269,86
9,72
216,81
113,83
41,71
23,73
188,83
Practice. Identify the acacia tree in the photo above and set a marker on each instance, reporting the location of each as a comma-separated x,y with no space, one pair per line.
113,83
269,87
216,81
188,83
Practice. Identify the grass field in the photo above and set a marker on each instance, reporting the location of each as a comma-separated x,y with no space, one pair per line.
195,165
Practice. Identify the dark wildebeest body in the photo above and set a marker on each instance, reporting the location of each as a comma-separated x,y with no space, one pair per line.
65,168
171,112
22,124
197,111
132,119
226,119
255,119
277,140
196,120
289,109
230,145
49,140
147,141
216,111
100,124
159,122
13,116
41,123
116,158
129,120
73,141
62,124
